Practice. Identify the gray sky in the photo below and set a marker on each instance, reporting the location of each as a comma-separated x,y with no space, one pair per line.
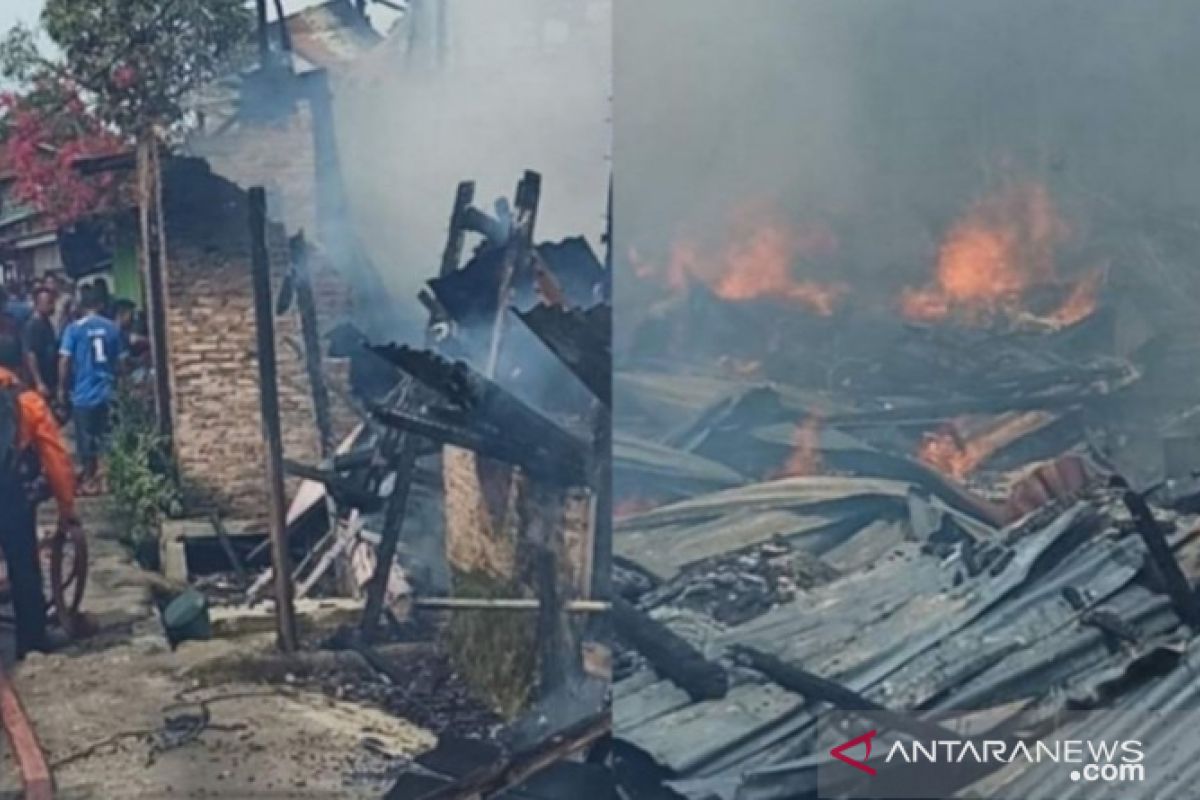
14,11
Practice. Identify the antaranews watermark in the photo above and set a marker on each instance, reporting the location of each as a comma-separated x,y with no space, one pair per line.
897,757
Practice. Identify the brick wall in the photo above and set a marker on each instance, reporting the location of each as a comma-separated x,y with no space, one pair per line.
214,379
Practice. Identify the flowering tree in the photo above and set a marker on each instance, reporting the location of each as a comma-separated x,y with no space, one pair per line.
122,75
41,146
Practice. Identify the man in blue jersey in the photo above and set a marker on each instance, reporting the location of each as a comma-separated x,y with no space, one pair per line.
87,366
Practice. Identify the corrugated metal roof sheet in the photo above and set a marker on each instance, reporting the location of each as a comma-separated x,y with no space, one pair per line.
328,35
908,633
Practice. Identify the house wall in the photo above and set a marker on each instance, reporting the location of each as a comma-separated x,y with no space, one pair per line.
215,400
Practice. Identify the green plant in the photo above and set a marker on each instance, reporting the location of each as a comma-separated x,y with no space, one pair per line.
141,482
494,651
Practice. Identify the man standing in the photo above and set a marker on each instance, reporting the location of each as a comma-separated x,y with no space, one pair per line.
30,445
87,367
41,345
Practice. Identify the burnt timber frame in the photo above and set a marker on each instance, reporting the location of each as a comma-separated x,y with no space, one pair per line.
285,616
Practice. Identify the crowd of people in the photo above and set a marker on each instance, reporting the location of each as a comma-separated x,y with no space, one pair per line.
63,349
75,343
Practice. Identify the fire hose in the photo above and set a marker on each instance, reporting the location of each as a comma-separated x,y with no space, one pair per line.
68,584
67,557
66,560
27,751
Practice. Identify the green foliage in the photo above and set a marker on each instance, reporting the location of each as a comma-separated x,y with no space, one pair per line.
142,487
135,61
495,651
20,60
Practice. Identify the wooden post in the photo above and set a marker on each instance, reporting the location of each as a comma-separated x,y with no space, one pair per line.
463,197
311,333
264,44
520,239
153,237
554,640
608,231
285,617
393,521
285,36
601,480
560,658
1183,597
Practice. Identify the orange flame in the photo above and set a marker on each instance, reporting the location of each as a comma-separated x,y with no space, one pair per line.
960,446
947,453
757,262
805,458
990,258
1080,303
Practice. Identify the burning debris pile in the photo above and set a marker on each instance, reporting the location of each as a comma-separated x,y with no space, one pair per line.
462,508
908,498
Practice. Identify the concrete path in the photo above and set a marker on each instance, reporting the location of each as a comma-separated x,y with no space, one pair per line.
115,713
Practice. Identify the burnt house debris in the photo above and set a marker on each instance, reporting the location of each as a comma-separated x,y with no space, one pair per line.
471,494
846,506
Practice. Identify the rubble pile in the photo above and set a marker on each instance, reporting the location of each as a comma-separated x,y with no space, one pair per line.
869,507
466,509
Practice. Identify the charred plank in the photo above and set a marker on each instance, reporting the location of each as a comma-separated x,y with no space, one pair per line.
814,687
539,459
505,773
581,340
671,656
480,404
1183,597
345,491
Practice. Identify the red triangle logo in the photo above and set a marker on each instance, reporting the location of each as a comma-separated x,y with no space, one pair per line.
839,752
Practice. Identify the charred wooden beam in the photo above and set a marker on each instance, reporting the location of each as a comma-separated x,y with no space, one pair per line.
553,635
670,654
310,331
518,768
264,43
581,340
95,165
602,486
227,545
393,521
454,381
452,254
285,36
814,687
437,311
486,407
1183,597
345,491
272,428
538,459
494,229
516,253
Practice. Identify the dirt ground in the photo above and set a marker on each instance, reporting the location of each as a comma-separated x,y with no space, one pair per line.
124,716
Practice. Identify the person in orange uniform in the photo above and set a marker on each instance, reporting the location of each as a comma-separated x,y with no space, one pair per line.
38,450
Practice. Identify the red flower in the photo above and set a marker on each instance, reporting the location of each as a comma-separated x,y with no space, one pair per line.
124,76
41,145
